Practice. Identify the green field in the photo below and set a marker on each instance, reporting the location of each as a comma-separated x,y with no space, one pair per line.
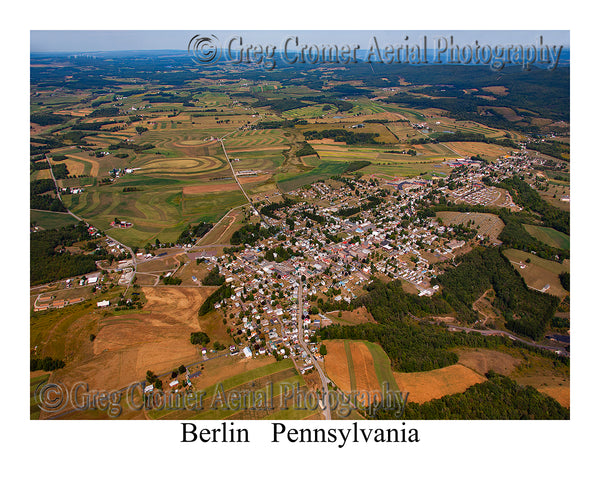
322,171
350,361
549,236
49,220
383,366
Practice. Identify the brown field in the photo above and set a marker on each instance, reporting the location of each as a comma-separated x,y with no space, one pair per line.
336,364
355,317
483,360
158,265
364,368
254,179
560,393
126,346
221,233
95,164
209,188
496,90
425,386
474,148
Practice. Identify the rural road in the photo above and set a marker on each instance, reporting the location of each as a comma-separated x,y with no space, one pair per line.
324,379
133,259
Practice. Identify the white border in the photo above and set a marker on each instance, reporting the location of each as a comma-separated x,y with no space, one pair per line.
448,449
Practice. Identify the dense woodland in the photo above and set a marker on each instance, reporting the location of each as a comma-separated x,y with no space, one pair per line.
498,398
49,259
526,311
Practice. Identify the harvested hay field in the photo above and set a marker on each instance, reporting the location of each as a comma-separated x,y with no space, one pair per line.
560,393
209,188
336,364
486,150
364,368
425,386
483,360
126,346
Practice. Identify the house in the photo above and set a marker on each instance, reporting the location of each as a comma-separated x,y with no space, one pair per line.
103,303
247,352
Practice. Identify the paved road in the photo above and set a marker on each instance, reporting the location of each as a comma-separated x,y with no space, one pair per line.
554,348
324,379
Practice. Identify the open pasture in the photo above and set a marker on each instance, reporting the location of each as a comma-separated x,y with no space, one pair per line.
539,272
549,236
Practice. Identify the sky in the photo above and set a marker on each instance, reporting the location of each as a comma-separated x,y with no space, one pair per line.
115,40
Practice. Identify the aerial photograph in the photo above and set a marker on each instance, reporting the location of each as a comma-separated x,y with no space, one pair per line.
299,225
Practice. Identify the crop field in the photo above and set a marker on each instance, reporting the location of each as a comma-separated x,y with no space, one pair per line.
438,151
404,131
447,125
425,386
549,236
485,223
407,166
539,272
489,151
384,135
358,366
161,207
321,171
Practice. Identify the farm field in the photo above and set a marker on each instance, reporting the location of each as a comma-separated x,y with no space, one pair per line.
242,375
320,171
158,208
425,386
486,224
156,338
358,366
539,272
488,151
549,236
448,125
